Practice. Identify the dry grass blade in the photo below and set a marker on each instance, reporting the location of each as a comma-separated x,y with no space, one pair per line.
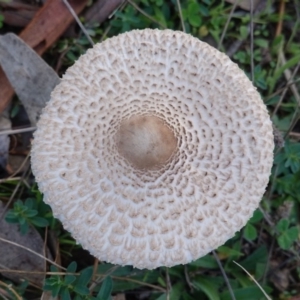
251,41
10,179
120,7
290,77
295,134
268,261
227,23
180,14
38,272
155,287
21,166
2,292
102,276
9,287
282,89
33,252
15,131
187,278
100,279
169,285
78,22
145,14
252,278
12,196
224,275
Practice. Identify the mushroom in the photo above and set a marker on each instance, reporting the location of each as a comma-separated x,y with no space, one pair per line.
154,149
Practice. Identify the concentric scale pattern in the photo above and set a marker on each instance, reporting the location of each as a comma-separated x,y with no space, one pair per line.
154,149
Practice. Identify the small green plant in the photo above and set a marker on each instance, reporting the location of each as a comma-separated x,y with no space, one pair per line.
75,286
192,14
126,20
251,247
287,234
290,157
25,214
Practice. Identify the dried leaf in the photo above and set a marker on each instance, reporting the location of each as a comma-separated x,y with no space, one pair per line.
18,13
32,79
280,277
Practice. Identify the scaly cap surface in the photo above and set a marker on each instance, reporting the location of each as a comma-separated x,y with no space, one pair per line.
154,149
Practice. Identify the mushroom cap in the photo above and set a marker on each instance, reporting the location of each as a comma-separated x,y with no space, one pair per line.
154,149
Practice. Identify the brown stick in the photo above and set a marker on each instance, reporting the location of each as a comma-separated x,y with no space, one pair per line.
281,14
45,28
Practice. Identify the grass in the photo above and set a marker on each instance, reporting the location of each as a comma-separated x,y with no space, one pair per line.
266,45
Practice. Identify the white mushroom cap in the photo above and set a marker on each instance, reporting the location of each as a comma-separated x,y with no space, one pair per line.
154,149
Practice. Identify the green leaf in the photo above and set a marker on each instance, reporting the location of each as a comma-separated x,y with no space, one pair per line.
71,56
244,32
204,284
204,10
39,221
72,267
176,291
55,290
277,43
110,268
24,228
195,20
261,43
287,238
257,216
260,255
65,294
250,232
260,270
85,276
248,293
240,56
29,202
283,225
31,213
22,220
292,156
161,281
69,279
160,16
193,8
106,289
162,297
11,217
82,290
186,296
227,252
205,262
